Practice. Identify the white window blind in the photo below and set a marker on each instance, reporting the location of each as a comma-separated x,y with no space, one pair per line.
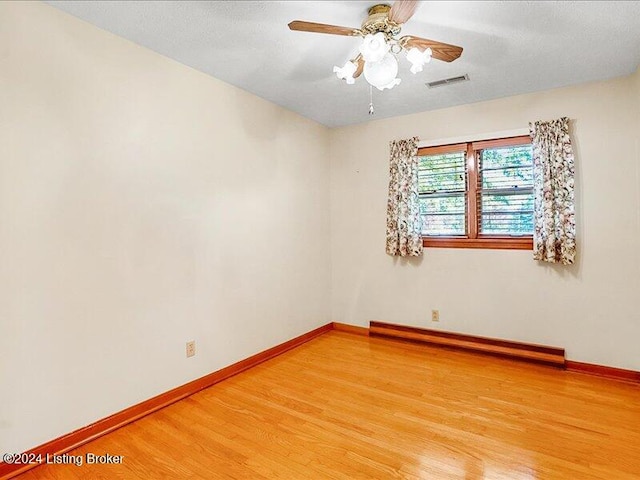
505,191
442,188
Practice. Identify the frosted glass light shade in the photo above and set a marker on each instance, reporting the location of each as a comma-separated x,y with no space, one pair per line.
382,74
374,47
346,72
418,59
390,85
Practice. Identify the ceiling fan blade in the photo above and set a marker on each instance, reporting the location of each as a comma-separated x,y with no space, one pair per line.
440,51
359,61
322,28
402,10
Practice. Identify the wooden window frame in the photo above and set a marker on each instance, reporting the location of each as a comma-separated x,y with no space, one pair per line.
473,239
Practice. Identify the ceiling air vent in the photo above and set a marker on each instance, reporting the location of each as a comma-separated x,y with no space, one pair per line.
447,81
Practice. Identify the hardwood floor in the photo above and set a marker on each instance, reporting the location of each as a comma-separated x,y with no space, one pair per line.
347,406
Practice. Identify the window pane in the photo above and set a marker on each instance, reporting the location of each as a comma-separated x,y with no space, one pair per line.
502,157
507,223
511,177
520,201
442,173
506,191
443,214
442,184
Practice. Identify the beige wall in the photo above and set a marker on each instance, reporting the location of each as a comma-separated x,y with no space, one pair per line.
637,77
637,137
591,309
142,205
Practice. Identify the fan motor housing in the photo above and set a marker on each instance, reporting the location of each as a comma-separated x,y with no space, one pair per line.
378,21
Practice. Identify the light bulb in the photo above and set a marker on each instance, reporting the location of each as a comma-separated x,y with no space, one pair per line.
382,74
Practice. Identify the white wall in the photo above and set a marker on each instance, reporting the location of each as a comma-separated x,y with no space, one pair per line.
591,308
142,205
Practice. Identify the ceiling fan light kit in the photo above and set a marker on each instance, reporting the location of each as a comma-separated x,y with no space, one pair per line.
379,47
380,64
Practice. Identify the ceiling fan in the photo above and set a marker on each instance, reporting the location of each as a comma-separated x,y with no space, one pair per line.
380,45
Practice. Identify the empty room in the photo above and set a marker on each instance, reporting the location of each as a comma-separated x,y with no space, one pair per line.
320,240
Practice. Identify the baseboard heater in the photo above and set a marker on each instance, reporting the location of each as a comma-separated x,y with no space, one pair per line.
492,346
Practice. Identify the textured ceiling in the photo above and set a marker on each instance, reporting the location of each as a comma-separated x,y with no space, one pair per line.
509,48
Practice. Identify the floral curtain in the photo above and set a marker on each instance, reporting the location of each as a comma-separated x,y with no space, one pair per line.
554,236
403,208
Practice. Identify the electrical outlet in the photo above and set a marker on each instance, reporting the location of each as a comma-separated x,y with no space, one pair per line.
191,348
435,316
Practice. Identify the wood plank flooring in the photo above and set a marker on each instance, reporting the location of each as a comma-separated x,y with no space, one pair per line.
345,406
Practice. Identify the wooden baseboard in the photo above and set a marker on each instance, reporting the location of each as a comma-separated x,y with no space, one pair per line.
532,353
492,346
86,434
344,327
603,371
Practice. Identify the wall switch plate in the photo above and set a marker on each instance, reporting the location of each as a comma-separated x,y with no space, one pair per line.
435,315
191,348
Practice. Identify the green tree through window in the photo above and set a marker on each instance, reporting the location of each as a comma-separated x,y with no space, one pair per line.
506,189
441,183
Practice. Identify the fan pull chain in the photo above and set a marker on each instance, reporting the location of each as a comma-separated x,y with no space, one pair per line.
371,110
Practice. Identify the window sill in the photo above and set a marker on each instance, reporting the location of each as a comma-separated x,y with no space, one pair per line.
503,243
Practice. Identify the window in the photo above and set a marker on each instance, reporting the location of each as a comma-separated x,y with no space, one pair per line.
477,194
